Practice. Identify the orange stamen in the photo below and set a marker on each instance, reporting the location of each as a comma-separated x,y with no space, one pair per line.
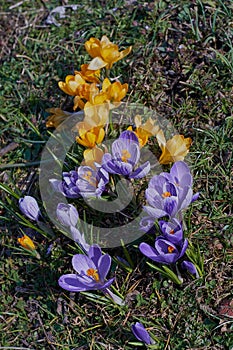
93,273
170,249
125,155
166,194
172,232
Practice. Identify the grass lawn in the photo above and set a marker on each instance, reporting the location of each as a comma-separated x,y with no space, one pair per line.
181,65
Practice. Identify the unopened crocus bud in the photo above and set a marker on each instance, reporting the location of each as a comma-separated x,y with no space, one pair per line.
190,267
29,207
67,214
141,333
26,243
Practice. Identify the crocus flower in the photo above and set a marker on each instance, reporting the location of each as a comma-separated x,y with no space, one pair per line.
172,230
67,214
104,52
89,136
68,186
89,75
115,91
92,156
169,193
57,117
190,267
164,252
29,207
125,156
91,272
174,149
91,183
144,131
141,333
26,243
71,84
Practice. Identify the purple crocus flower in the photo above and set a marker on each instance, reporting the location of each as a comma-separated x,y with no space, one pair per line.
141,333
164,252
67,214
181,176
125,156
29,207
91,183
190,267
91,272
68,186
169,193
172,230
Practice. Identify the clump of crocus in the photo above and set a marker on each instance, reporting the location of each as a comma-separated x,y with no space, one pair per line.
142,334
29,207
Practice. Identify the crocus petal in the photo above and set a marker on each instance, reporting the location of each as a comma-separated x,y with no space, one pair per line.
69,282
82,263
190,267
141,333
104,265
95,253
184,247
141,171
97,63
147,223
195,197
154,212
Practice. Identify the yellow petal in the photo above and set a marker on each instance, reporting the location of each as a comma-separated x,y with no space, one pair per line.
97,63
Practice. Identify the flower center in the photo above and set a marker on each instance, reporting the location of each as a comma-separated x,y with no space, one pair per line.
125,155
166,194
172,232
87,175
170,249
93,273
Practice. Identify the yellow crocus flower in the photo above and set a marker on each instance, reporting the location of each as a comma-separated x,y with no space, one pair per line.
144,131
57,117
104,52
89,136
115,91
26,243
174,149
92,156
71,84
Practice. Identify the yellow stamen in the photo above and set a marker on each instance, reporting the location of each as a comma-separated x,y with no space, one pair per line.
125,155
93,273
166,194
170,249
